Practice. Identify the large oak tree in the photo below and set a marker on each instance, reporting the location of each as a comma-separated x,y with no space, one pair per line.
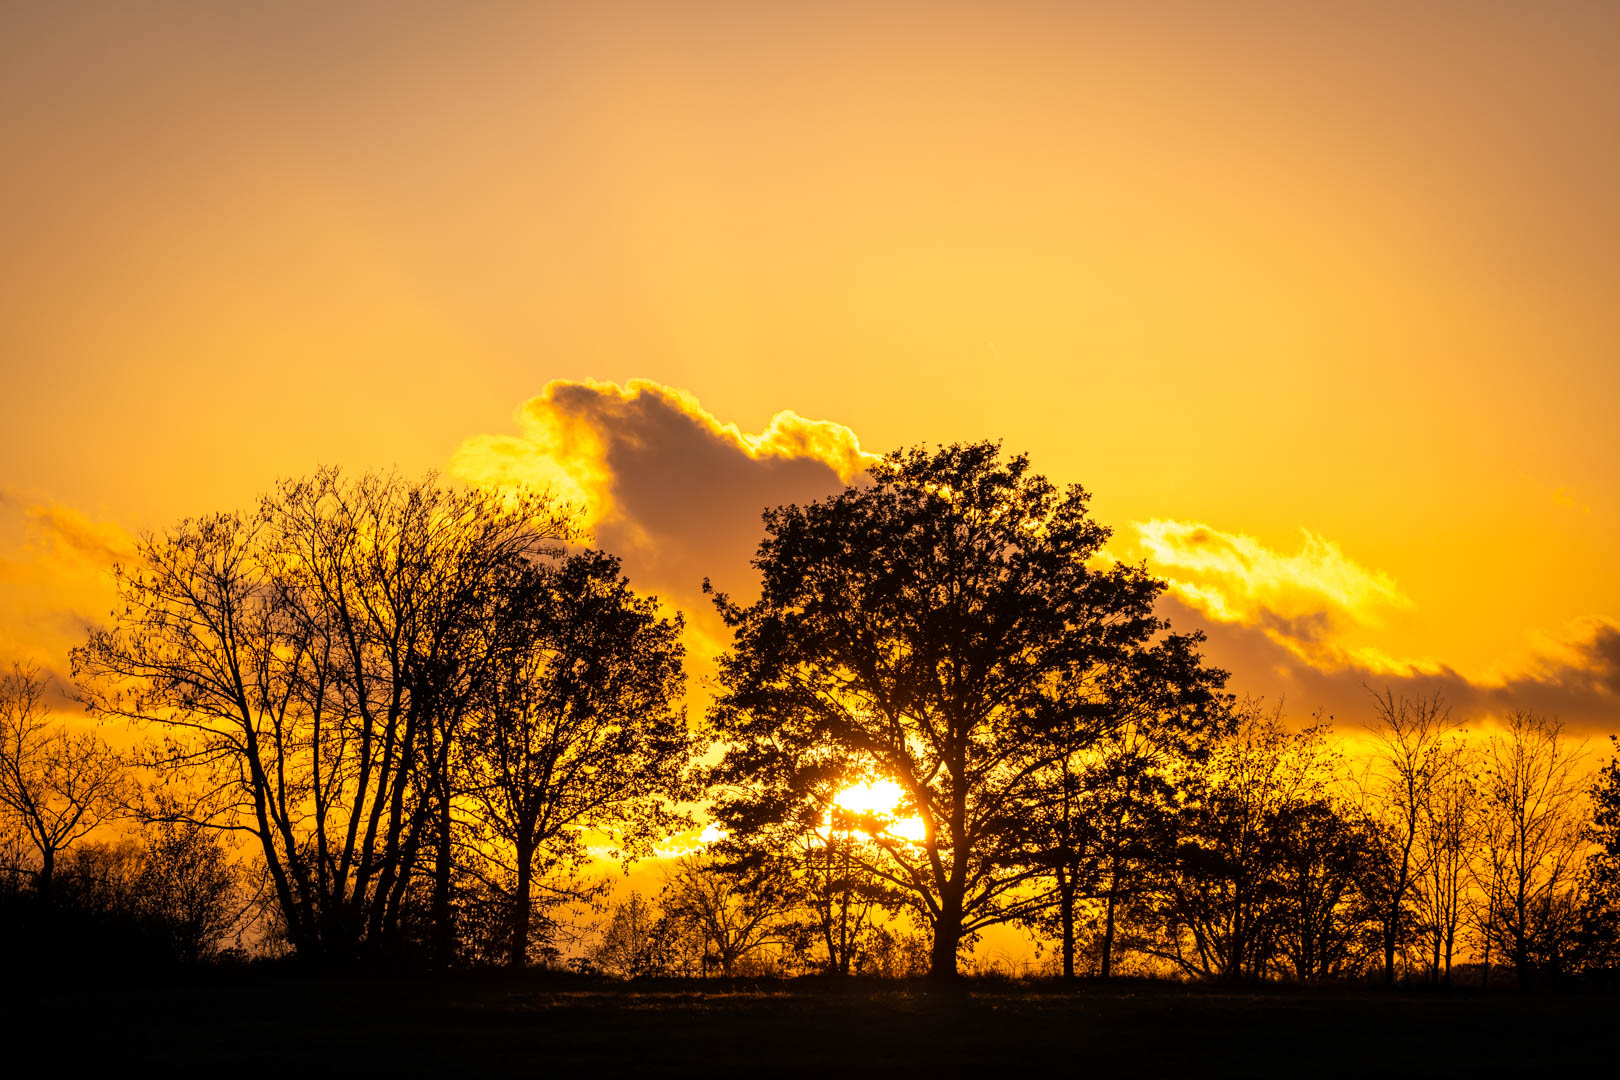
937,626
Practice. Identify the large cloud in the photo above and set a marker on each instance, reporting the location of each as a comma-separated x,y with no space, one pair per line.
664,483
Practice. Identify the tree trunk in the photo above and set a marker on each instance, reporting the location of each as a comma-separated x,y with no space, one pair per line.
518,950
947,939
1106,967
1066,891
444,932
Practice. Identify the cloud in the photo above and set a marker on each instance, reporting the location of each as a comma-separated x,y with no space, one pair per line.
1575,676
580,436
1303,601
55,581
665,484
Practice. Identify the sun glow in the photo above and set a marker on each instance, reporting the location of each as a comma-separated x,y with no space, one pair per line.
876,804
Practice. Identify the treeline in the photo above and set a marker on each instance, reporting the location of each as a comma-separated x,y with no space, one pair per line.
399,721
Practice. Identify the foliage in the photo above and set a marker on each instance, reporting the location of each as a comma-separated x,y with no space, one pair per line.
936,627
577,732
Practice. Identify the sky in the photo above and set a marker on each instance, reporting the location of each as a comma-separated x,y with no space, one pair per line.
1316,300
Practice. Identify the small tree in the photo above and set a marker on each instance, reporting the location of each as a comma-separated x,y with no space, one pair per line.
1222,868
736,916
579,730
1409,757
638,941
1533,843
189,889
1450,817
56,786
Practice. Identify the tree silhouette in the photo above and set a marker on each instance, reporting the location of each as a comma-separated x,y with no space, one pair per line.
1224,872
56,786
309,666
1600,911
1532,843
931,626
578,730
1108,787
1407,762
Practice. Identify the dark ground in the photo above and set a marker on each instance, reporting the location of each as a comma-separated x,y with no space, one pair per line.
254,1021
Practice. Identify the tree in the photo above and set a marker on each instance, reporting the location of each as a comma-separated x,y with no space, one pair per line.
578,730
932,627
189,889
1445,840
1532,843
1322,855
56,786
309,666
734,915
1408,758
639,941
1600,886
1227,868
1108,788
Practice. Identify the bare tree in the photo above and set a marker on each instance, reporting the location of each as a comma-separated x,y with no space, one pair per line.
735,915
1408,755
309,666
1450,817
1533,812
56,785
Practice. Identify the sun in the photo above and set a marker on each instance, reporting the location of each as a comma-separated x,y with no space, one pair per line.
879,799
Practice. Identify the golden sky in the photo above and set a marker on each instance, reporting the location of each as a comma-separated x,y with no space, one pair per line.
1318,300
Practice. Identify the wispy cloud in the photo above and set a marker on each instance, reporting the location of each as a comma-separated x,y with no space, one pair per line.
1303,599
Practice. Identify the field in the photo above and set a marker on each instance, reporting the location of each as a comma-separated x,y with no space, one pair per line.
254,1021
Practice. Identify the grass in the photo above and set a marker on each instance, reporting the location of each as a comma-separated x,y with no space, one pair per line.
255,1020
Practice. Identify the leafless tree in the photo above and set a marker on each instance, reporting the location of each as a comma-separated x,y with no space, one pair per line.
1450,817
56,785
309,666
1532,843
1408,756
735,916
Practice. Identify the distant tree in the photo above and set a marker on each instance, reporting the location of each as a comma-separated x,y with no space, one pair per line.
1108,787
736,916
838,899
188,887
929,627
1224,874
789,826
56,786
1450,817
1322,854
578,732
1532,844
638,941
1408,758
310,666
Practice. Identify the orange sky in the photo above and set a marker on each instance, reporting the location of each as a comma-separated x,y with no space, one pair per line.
1319,305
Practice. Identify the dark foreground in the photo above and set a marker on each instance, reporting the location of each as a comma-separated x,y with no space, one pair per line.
254,1021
